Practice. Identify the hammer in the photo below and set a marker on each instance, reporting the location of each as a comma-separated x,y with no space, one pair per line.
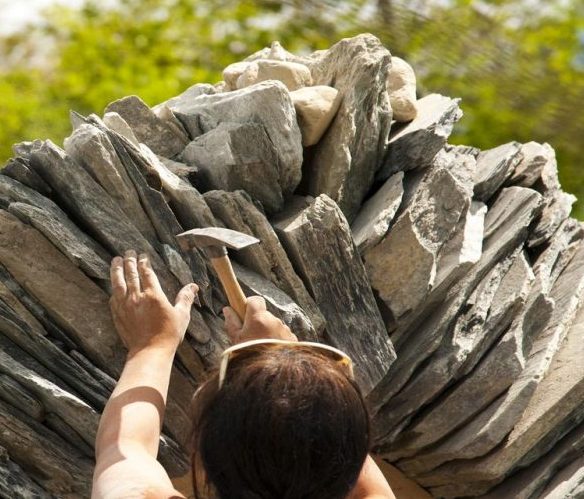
214,241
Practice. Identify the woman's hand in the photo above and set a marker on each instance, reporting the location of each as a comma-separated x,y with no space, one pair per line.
142,313
258,323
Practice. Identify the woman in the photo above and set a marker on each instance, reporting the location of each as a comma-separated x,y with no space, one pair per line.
280,420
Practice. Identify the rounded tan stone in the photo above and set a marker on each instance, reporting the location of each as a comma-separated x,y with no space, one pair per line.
292,74
315,109
401,85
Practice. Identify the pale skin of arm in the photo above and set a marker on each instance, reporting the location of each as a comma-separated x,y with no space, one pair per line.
152,329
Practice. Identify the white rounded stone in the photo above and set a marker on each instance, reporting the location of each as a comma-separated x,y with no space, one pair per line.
315,109
292,74
401,86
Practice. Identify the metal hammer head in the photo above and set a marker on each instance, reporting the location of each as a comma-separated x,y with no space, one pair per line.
212,238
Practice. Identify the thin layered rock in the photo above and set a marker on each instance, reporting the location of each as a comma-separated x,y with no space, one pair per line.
353,320
357,67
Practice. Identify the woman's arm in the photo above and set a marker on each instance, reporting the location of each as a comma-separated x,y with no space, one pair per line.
129,429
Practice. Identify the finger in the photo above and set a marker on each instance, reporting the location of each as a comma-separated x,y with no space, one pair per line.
117,277
254,305
131,272
148,277
186,297
233,324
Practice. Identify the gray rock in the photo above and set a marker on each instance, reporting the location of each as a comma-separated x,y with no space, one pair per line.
237,212
187,96
568,483
278,302
186,202
147,127
268,104
534,157
63,238
472,331
95,208
18,169
529,482
557,208
375,217
462,249
76,413
494,167
80,307
414,145
420,338
339,285
118,124
402,267
92,149
235,156
49,355
14,482
51,462
344,161
13,393
542,401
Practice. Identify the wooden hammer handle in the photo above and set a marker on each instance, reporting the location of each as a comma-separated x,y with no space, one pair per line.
235,295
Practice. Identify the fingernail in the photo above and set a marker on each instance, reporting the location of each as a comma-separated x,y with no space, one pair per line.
117,259
142,256
130,254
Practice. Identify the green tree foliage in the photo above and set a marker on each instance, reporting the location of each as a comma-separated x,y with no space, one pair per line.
517,64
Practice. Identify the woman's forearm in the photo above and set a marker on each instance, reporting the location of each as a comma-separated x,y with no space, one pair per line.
134,413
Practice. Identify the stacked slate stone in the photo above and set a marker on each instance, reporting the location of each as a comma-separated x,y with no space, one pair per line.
452,276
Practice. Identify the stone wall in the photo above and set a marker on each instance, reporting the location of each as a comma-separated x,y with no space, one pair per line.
452,276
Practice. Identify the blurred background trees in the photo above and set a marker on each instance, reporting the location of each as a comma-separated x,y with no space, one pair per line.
517,64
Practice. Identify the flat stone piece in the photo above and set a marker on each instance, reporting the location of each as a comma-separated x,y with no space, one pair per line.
51,462
415,144
266,103
147,127
237,212
554,398
557,208
15,482
494,167
67,241
470,332
344,161
534,158
76,413
277,302
80,194
52,357
234,156
529,482
189,94
118,124
315,109
420,338
80,307
18,169
402,267
338,282
376,215
91,148
568,483
401,85
291,74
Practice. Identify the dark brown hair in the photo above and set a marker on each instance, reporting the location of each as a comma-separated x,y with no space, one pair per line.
288,423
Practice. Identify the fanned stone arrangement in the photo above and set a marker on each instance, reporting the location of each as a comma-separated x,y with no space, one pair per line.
452,276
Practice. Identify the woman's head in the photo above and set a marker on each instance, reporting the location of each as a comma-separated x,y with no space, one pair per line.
287,423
